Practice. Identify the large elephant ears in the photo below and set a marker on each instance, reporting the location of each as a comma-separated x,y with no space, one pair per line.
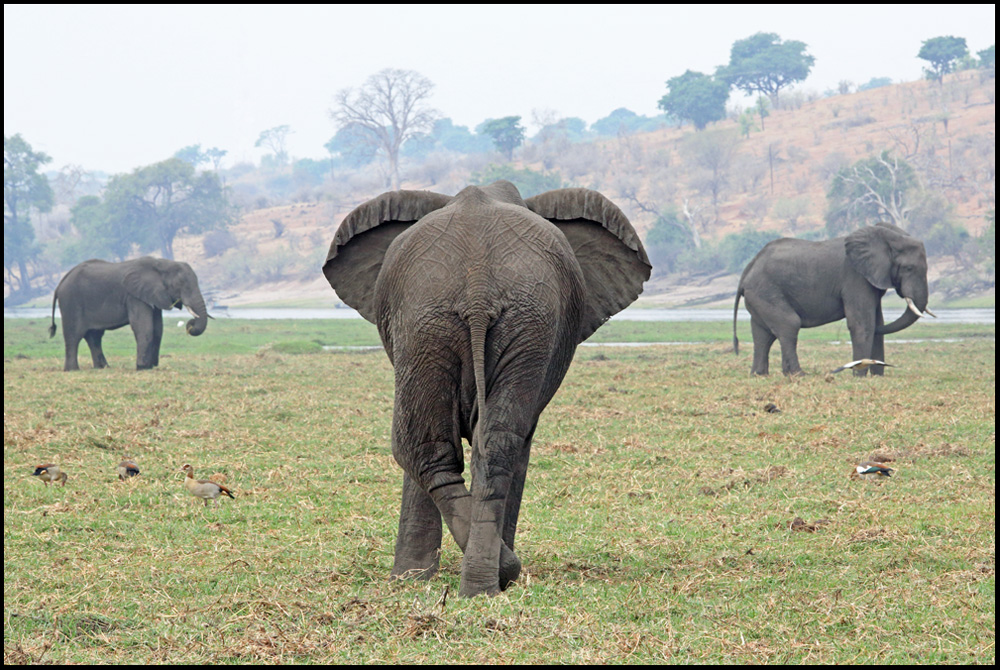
870,251
359,246
144,281
607,248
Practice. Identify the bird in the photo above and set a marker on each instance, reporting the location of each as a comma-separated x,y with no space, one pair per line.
861,365
127,468
871,470
50,472
204,488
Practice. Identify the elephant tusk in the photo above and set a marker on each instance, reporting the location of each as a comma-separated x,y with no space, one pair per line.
192,312
930,313
913,308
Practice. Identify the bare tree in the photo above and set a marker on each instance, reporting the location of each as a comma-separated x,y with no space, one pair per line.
875,188
713,153
275,139
391,105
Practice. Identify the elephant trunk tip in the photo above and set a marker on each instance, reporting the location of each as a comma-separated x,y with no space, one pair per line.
196,327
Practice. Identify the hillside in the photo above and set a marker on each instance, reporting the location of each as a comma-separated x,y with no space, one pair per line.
775,179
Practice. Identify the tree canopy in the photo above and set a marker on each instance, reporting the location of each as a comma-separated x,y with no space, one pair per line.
942,53
877,188
355,144
276,140
391,105
763,65
507,134
24,190
696,97
152,204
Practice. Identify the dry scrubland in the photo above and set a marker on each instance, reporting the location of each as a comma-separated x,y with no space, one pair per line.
659,521
775,179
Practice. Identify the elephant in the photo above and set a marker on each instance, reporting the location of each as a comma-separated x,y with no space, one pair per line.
96,296
480,300
792,284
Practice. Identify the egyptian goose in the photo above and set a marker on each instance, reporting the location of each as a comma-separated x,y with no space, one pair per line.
204,488
50,472
127,468
871,470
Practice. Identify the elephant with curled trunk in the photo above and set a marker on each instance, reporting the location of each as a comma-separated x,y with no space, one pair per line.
480,301
96,296
793,284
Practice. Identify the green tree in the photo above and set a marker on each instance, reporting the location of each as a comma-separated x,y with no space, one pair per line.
668,242
93,238
942,53
507,134
988,58
354,144
874,189
24,190
192,154
215,156
763,65
391,105
528,182
696,97
276,140
624,121
459,138
153,204
736,249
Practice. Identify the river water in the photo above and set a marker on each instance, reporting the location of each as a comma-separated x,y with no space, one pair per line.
979,315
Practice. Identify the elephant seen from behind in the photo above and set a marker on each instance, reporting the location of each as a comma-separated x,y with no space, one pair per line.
792,284
96,296
480,301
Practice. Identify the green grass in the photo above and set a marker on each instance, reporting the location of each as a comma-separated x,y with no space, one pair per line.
656,523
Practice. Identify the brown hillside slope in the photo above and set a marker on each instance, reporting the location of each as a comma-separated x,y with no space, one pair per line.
776,180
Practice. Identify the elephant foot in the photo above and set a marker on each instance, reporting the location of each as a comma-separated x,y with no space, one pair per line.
415,565
412,568
510,567
489,565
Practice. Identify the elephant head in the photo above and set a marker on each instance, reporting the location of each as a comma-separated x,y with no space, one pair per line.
167,284
612,259
889,258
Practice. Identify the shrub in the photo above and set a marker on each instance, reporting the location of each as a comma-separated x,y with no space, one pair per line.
217,242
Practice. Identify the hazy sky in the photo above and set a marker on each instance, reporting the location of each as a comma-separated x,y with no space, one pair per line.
116,87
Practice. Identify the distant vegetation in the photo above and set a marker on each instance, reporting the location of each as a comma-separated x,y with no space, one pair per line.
795,163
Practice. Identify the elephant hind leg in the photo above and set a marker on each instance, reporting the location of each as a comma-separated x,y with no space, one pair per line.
789,353
72,343
94,338
763,339
418,542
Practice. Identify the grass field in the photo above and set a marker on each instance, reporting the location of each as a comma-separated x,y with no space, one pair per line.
659,522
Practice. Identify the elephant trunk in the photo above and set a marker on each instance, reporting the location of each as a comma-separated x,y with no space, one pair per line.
196,305
914,310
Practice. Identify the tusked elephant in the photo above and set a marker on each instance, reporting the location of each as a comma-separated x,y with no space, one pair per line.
480,301
792,284
96,296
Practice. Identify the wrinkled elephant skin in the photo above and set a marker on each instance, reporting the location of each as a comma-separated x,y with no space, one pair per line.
480,300
96,296
793,284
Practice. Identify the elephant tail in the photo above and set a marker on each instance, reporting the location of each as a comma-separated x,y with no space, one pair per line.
52,328
478,323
